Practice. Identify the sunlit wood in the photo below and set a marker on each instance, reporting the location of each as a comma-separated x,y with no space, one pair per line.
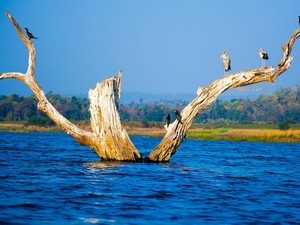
205,96
108,138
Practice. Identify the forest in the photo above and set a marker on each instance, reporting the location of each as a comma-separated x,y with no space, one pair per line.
281,106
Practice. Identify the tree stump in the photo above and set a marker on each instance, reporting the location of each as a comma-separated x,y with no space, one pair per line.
114,142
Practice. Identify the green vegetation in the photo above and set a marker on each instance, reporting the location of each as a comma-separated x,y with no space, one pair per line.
283,106
14,108
254,135
280,110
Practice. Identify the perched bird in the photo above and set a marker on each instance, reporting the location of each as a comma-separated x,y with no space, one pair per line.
178,116
30,35
299,20
226,62
263,55
168,117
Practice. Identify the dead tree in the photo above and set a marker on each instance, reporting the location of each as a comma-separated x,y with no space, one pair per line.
108,138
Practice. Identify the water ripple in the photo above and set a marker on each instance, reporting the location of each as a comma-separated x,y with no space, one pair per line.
47,178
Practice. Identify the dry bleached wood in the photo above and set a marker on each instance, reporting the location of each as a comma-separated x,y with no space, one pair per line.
205,96
113,142
108,138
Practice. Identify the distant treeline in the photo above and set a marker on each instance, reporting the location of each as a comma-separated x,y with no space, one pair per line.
19,108
281,106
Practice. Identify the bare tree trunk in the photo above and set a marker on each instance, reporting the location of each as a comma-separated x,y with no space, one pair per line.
108,138
205,96
115,143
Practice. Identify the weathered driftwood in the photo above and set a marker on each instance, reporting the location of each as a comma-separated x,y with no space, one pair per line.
108,138
205,96
112,141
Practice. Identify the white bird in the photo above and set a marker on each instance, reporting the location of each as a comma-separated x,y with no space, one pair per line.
226,62
264,56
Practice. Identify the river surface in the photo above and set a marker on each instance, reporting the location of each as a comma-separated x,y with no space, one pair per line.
48,178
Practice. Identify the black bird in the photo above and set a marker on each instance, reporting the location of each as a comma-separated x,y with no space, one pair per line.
168,117
30,35
299,20
178,116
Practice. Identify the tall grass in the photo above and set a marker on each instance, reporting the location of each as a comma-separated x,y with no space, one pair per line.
261,134
255,135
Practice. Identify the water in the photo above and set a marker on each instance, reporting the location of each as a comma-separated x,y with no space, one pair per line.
47,178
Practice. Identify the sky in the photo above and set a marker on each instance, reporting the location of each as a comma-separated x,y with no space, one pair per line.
162,46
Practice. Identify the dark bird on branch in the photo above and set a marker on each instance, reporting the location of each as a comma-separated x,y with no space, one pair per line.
263,55
168,117
178,116
30,35
226,62
299,20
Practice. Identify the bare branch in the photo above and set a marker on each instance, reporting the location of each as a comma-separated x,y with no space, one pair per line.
28,43
205,96
43,105
14,75
108,138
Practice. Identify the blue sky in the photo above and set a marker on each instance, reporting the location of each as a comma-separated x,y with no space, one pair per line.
162,46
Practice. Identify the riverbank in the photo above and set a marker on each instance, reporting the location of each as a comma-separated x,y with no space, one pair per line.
251,135
237,133
230,134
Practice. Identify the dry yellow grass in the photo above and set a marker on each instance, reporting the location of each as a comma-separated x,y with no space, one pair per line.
263,135
153,132
232,134
10,125
17,127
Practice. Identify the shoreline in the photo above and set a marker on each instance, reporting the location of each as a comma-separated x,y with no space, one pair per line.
222,134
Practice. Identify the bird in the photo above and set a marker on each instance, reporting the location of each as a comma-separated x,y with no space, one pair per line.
299,20
30,35
178,116
226,62
168,117
264,56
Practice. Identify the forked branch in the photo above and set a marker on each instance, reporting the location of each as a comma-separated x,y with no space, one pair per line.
110,141
108,138
43,104
205,96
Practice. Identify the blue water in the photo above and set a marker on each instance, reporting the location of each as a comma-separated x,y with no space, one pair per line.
47,178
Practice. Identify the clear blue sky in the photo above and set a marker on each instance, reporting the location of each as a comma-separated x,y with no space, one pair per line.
162,46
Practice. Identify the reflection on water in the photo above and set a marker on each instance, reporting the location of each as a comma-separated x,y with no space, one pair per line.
47,178
100,164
